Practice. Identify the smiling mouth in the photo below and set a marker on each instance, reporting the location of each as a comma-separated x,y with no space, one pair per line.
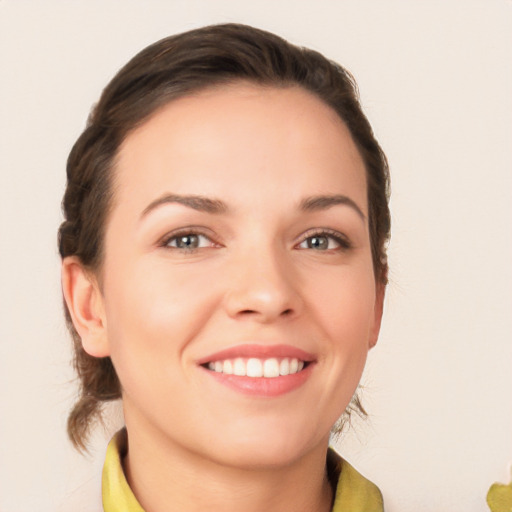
271,367
259,370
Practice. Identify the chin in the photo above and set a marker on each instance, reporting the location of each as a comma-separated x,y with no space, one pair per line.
260,457
265,449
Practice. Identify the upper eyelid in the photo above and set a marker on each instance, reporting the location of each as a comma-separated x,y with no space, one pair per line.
202,231
323,231
188,230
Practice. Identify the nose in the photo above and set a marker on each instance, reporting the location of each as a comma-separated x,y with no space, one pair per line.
262,287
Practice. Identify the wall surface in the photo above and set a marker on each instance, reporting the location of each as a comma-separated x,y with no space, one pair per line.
435,80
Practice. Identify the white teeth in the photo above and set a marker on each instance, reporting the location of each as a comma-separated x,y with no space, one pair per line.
254,367
271,368
239,368
227,367
284,367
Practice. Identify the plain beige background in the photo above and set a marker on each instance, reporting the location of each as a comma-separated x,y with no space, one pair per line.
436,82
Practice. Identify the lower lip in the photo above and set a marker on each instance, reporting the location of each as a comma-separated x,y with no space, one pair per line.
261,386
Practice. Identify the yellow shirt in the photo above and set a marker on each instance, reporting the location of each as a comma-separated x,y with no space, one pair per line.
354,493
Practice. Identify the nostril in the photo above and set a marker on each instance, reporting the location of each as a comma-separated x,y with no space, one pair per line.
286,312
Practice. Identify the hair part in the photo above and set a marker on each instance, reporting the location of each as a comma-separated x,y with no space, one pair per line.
164,71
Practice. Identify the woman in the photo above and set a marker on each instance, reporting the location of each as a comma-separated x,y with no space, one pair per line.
224,269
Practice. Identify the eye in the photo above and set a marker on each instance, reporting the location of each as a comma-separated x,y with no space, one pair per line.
325,241
187,241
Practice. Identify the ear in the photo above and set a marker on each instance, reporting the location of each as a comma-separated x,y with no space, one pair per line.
377,319
86,306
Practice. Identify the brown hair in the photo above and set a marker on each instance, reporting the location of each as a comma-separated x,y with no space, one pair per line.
169,69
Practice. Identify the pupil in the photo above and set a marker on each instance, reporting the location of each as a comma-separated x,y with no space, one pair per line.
318,242
187,241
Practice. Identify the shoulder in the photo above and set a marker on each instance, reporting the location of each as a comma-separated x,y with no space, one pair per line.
354,492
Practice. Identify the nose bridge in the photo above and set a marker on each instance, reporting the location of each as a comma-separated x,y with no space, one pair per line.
262,284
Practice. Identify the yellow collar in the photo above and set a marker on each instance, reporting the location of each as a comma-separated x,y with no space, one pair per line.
354,493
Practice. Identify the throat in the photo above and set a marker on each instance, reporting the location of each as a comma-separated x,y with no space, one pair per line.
168,480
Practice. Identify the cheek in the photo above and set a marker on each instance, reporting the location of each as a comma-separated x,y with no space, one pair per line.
343,306
341,303
344,301
153,314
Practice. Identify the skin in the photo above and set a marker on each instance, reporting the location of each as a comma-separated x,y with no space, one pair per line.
254,278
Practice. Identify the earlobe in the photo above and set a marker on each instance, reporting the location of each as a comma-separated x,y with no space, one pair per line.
85,304
378,310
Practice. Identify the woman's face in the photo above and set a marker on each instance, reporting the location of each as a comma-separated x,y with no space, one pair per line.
237,252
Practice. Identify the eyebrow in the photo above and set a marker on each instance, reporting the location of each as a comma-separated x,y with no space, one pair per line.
316,203
200,203
216,206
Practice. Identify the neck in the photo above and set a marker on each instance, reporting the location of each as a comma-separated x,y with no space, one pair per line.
166,477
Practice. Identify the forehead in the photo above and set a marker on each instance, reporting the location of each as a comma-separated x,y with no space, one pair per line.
239,139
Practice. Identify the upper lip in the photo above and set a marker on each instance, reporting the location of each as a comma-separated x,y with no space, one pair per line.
258,351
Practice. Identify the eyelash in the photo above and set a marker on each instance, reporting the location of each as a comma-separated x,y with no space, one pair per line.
341,240
184,233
